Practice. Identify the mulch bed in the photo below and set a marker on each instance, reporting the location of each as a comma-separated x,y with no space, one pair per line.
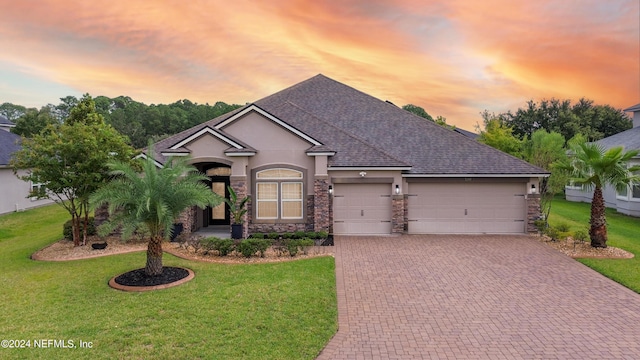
138,277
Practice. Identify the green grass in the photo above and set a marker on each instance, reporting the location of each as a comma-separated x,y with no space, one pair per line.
264,311
623,232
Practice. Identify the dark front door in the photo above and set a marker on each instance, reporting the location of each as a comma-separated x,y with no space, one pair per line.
219,215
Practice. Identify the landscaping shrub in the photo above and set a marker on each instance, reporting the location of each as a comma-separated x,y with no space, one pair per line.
311,235
541,225
223,246
249,247
563,227
295,245
67,229
581,235
553,233
273,235
258,236
299,234
322,234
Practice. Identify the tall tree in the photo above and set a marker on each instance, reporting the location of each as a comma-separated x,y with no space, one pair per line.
498,135
11,111
418,111
152,201
34,121
70,160
591,165
593,121
544,149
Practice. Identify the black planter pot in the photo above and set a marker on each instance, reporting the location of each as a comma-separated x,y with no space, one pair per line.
236,231
99,246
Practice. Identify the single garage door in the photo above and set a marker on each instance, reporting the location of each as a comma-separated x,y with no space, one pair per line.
465,208
361,209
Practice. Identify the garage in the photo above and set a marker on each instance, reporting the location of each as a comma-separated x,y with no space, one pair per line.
362,209
466,208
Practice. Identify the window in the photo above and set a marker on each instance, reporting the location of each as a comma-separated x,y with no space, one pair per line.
36,189
635,192
279,194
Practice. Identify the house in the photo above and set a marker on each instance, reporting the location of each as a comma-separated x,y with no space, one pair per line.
626,201
14,193
323,156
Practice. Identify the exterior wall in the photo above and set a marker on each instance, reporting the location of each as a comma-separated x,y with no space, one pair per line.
14,193
207,147
398,215
321,218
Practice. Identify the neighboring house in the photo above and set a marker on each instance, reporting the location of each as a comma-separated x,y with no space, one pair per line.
5,124
626,201
14,193
321,155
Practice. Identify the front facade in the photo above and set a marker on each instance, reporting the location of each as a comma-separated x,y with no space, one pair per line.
321,156
626,201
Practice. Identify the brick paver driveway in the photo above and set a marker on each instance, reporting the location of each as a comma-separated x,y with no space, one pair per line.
476,297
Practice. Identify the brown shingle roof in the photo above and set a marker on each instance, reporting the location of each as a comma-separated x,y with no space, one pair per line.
368,132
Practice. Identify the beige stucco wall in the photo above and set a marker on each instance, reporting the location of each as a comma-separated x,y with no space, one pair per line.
207,148
274,144
14,192
395,174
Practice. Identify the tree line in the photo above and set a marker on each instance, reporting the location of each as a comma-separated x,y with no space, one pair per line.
135,120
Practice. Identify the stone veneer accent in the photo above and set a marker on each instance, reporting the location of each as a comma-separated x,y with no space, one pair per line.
533,212
397,214
188,220
321,219
239,185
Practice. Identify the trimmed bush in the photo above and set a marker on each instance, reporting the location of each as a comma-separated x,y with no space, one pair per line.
296,245
67,228
249,247
299,234
223,246
273,235
581,235
258,236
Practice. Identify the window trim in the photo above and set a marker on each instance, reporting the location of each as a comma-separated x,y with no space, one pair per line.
302,179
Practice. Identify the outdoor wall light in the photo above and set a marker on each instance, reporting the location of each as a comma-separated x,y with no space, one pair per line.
363,173
397,189
533,189
330,190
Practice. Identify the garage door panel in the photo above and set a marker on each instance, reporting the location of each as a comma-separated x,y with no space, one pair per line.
466,208
362,209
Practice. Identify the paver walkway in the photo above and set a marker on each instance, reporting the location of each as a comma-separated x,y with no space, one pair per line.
476,297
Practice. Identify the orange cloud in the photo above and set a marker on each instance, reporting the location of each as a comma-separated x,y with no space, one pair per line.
453,58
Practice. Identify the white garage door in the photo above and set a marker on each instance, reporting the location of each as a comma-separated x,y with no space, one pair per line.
362,209
498,208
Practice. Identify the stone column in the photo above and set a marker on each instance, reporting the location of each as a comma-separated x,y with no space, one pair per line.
321,220
397,215
533,212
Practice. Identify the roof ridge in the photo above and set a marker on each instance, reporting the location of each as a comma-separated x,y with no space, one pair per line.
348,133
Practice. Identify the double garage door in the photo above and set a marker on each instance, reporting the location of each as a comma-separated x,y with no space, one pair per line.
432,208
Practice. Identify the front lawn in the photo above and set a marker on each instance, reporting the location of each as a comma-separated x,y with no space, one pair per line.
623,231
265,311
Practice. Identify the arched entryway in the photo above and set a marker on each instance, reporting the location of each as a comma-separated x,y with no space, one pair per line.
219,180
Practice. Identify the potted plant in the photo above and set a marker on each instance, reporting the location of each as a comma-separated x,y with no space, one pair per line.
237,208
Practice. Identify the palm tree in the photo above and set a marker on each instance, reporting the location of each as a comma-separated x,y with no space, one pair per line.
152,201
591,165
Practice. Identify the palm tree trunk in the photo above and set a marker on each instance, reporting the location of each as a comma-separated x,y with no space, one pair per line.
154,256
598,230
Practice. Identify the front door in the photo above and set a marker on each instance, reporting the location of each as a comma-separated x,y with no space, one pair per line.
219,215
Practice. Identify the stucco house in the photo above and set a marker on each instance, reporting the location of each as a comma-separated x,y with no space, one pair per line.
321,155
14,193
626,201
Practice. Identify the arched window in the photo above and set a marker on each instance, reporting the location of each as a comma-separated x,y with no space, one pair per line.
279,194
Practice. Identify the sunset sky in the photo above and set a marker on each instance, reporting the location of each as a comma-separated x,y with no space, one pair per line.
454,58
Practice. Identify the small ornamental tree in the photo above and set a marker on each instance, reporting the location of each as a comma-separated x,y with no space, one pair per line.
70,161
591,165
152,201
